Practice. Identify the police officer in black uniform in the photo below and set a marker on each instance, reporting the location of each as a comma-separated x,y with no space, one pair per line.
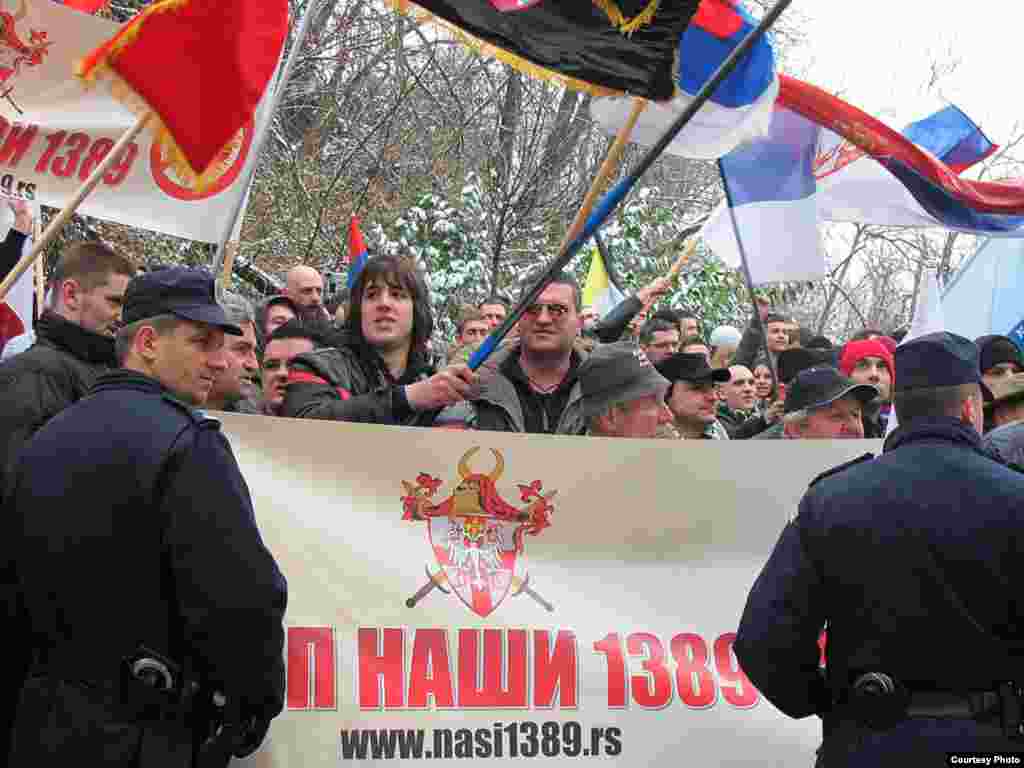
913,561
154,607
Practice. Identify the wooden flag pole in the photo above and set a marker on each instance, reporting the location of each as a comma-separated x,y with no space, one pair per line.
40,276
675,269
55,226
608,167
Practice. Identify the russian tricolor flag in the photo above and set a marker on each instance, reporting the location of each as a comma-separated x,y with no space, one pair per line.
357,253
740,108
861,171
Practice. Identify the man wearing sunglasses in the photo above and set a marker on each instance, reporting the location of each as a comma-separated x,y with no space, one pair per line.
531,385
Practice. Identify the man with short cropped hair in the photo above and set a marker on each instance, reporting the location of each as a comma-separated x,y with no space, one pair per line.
908,559
494,309
623,393
132,540
472,327
659,339
284,345
692,397
737,410
234,390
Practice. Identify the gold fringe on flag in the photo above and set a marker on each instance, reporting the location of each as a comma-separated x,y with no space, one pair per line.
484,48
624,25
97,65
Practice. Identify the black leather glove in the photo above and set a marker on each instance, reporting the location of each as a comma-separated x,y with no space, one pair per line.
250,735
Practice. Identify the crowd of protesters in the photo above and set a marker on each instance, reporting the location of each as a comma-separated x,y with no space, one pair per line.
372,358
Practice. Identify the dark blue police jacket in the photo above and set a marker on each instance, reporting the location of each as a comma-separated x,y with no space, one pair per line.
132,525
913,559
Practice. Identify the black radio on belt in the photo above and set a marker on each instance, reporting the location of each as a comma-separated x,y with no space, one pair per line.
878,700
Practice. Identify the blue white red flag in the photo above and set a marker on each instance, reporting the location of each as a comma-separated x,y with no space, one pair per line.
862,171
740,108
357,253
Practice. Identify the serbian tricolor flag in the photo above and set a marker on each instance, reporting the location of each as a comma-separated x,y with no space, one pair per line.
739,109
825,160
201,67
357,253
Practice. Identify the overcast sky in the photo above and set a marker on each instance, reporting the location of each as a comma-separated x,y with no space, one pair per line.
878,53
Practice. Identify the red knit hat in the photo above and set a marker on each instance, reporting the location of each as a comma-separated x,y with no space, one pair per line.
856,350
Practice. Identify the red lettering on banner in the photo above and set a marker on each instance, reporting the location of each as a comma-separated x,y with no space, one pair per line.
497,665
430,673
301,642
611,647
381,666
654,689
66,166
97,152
17,142
122,166
554,671
53,143
693,677
736,686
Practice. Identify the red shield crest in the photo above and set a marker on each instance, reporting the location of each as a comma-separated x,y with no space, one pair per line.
478,556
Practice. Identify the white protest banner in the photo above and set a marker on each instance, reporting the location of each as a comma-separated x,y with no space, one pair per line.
433,614
54,131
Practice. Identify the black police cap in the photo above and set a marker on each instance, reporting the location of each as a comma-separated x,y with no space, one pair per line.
940,359
186,292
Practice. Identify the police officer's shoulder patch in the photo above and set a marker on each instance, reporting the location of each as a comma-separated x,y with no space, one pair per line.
842,467
196,415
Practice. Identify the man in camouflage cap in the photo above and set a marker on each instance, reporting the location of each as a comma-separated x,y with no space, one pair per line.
623,393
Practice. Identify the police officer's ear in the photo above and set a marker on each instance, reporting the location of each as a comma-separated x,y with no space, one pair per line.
146,342
972,411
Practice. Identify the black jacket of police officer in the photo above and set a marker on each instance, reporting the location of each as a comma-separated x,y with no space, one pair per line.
145,581
913,560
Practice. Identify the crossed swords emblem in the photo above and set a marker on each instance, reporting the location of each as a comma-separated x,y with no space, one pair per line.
439,579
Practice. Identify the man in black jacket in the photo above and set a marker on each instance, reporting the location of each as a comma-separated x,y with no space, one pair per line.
378,371
154,607
74,346
75,343
911,560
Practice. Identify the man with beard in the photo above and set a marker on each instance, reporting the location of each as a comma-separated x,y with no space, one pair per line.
378,371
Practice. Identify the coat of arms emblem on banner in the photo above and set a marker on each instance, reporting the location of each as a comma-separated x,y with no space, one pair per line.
477,537
17,52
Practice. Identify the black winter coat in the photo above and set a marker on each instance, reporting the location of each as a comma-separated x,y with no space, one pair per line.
349,382
129,524
36,385
914,562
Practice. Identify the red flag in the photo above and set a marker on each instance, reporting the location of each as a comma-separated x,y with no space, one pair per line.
357,253
87,6
201,65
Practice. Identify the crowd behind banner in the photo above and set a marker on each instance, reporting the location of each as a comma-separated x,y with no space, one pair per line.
372,356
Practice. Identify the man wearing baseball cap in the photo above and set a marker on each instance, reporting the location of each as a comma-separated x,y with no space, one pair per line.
623,394
1005,441
1000,358
692,397
911,559
822,403
133,541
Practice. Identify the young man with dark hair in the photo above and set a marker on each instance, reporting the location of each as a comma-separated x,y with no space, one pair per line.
909,559
776,328
658,339
378,370
284,345
494,309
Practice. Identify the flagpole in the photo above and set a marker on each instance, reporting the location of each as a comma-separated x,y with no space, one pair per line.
260,139
40,275
55,226
608,203
746,274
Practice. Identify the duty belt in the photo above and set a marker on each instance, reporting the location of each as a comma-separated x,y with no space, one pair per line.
878,700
